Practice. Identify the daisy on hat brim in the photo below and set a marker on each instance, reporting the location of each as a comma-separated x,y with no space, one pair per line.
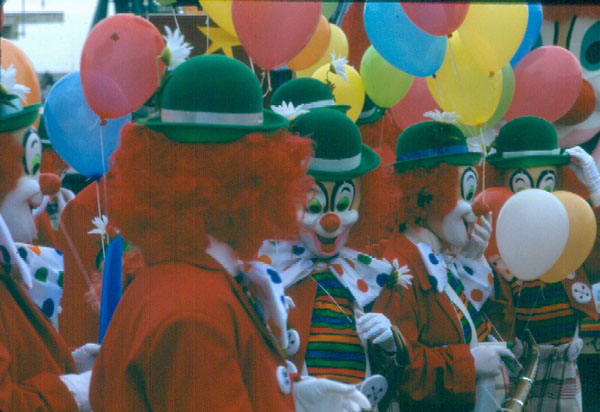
308,92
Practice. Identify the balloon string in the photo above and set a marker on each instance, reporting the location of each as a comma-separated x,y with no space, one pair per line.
268,76
175,18
207,33
103,169
100,216
381,133
79,263
251,64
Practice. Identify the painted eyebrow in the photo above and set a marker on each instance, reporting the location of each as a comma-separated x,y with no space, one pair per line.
336,188
324,190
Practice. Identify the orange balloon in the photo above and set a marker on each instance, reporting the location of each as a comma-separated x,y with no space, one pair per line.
26,74
582,234
315,48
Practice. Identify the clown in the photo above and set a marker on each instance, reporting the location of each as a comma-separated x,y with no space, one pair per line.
38,371
199,330
443,241
528,157
334,286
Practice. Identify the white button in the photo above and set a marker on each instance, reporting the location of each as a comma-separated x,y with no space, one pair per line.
374,388
293,342
581,293
291,367
283,380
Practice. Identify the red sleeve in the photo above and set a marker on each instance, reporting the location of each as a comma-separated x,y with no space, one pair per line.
41,393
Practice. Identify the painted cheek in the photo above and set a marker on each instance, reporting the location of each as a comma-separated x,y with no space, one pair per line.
348,218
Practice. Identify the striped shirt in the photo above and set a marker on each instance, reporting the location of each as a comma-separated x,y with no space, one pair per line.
545,309
481,324
334,350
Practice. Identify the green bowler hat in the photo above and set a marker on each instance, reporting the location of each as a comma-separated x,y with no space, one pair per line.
428,144
339,152
310,92
12,119
370,112
527,142
213,99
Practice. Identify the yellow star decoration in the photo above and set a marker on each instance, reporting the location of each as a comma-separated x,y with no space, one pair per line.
220,40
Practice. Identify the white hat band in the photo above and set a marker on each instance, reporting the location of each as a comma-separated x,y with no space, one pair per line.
335,165
233,119
319,103
509,155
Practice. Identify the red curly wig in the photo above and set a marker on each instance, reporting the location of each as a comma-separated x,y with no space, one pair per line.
171,195
381,136
11,165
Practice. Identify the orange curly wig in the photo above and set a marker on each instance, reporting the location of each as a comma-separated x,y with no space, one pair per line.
11,165
381,136
171,195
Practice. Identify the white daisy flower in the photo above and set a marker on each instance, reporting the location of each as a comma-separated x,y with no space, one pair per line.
100,224
9,83
444,117
481,141
288,110
338,65
404,276
177,50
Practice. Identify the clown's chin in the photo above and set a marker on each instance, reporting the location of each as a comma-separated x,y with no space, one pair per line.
324,246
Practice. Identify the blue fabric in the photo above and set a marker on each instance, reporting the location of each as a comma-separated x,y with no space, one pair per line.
111,284
433,152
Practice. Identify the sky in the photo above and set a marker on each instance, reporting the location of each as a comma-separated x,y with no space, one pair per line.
55,47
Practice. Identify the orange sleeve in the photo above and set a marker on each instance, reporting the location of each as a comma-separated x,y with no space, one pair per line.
592,263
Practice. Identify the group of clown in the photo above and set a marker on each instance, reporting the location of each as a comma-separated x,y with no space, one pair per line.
282,260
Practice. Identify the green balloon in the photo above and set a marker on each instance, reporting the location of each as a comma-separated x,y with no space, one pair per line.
329,8
385,84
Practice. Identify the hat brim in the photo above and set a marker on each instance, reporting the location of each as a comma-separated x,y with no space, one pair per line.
19,120
214,133
377,114
460,159
524,162
369,160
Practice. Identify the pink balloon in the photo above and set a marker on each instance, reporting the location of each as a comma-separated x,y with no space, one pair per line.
273,32
119,66
439,19
417,101
547,83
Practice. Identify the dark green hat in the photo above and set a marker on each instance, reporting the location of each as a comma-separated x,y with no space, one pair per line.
212,99
43,134
12,119
427,144
527,142
307,91
370,112
339,152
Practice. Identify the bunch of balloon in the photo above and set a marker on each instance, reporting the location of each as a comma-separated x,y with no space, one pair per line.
411,108
348,91
438,19
491,200
274,32
315,49
338,45
532,32
354,26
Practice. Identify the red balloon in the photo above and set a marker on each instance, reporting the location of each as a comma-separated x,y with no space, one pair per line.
274,32
417,101
353,26
547,83
119,66
439,19
492,199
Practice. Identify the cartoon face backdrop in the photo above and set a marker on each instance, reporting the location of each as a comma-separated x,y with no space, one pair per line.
331,212
19,203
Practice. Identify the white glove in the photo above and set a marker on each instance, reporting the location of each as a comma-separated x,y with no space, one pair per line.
79,386
324,395
377,328
480,236
85,356
487,358
586,171
63,197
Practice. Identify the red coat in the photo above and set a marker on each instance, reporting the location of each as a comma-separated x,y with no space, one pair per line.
441,375
185,338
32,356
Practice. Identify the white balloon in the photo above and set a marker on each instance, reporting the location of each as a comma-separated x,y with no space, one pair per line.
531,233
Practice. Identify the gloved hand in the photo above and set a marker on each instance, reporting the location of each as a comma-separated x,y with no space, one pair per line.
79,386
324,395
85,356
586,171
480,236
377,328
63,197
487,358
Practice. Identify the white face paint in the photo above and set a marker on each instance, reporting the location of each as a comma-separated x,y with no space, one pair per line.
332,211
18,204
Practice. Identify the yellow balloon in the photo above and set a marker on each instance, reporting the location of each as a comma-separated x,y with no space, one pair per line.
338,43
582,234
350,92
492,33
461,87
220,12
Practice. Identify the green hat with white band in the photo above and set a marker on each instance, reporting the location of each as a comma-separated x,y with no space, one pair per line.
306,91
213,99
339,152
370,112
527,142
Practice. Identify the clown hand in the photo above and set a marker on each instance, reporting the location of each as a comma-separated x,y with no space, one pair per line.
377,328
480,236
487,358
85,356
63,197
79,386
584,167
324,395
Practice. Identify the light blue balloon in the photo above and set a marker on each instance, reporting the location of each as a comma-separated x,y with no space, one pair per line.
74,129
532,32
400,42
